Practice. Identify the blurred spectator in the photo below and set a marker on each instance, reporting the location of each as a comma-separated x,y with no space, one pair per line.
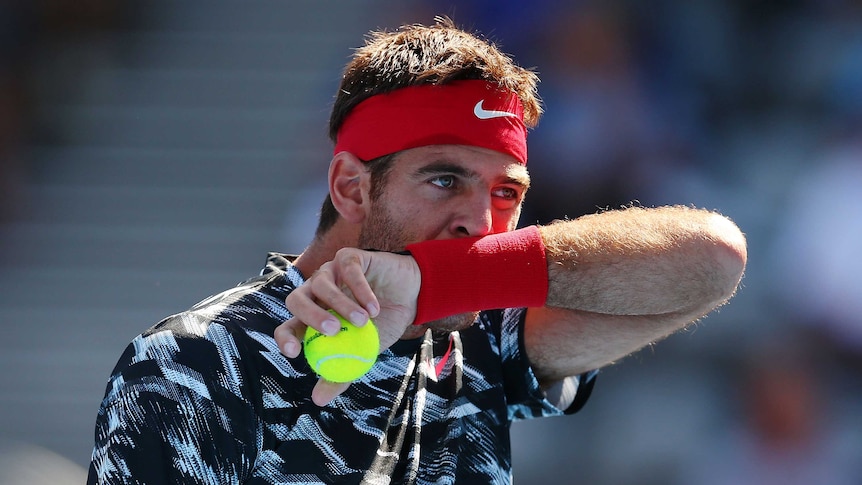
598,126
816,255
26,27
16,44
788,428
817,263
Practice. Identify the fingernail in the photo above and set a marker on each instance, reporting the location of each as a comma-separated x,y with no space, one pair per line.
373,310
289,349
330,327
358,318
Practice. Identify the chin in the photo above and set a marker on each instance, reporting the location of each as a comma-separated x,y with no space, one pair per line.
444,325
454,322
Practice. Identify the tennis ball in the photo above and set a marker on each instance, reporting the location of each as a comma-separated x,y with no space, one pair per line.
345,356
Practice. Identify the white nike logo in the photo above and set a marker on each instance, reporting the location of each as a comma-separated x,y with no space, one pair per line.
484,114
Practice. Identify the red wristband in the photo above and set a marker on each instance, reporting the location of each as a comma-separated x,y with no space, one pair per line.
506,270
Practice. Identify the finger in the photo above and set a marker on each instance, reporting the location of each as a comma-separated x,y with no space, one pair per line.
324,391
289,337
352,264
311,314
328,289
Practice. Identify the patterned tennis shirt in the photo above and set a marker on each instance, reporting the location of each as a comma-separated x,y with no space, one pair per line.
205,397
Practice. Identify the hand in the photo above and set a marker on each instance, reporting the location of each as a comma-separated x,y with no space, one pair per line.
357,284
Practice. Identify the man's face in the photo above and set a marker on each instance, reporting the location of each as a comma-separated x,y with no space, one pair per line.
443,192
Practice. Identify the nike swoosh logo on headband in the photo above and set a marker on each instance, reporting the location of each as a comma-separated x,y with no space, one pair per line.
484,114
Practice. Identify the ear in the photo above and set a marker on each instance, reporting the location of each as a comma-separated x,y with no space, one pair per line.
348,186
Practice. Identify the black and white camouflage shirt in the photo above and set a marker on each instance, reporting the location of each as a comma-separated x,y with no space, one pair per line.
205,397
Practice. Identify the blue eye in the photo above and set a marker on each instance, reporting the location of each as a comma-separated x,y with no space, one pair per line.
444,181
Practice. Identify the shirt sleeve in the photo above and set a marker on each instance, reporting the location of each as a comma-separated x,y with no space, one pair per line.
571,393
171,416
526,397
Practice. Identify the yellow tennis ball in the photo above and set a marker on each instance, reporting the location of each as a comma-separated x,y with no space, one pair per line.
345,356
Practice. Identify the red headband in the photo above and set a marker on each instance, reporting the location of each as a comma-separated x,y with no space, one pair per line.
477,113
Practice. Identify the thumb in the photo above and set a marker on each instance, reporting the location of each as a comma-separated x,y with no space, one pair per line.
324,391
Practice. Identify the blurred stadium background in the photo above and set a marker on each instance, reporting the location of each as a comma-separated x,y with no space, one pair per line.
153,151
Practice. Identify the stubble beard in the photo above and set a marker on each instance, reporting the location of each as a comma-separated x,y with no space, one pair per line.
384,233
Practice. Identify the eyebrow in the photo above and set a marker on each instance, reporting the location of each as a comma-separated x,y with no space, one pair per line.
446,167
518,177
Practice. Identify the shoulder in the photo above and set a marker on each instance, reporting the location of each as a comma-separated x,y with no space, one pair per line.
215,343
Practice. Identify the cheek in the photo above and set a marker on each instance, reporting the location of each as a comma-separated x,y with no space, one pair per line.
422,222
506,221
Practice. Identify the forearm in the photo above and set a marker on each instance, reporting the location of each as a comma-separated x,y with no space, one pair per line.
627,262
621,280
643,261
598,287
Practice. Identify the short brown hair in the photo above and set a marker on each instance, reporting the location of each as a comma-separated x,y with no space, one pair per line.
417,54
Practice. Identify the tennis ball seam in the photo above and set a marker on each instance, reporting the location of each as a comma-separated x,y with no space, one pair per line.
327,358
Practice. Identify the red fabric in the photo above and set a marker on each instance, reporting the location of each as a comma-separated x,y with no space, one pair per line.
506,270
476,113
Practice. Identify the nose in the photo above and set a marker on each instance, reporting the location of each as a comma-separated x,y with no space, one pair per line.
475,218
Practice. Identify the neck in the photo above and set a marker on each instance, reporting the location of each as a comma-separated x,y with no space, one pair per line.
324,247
